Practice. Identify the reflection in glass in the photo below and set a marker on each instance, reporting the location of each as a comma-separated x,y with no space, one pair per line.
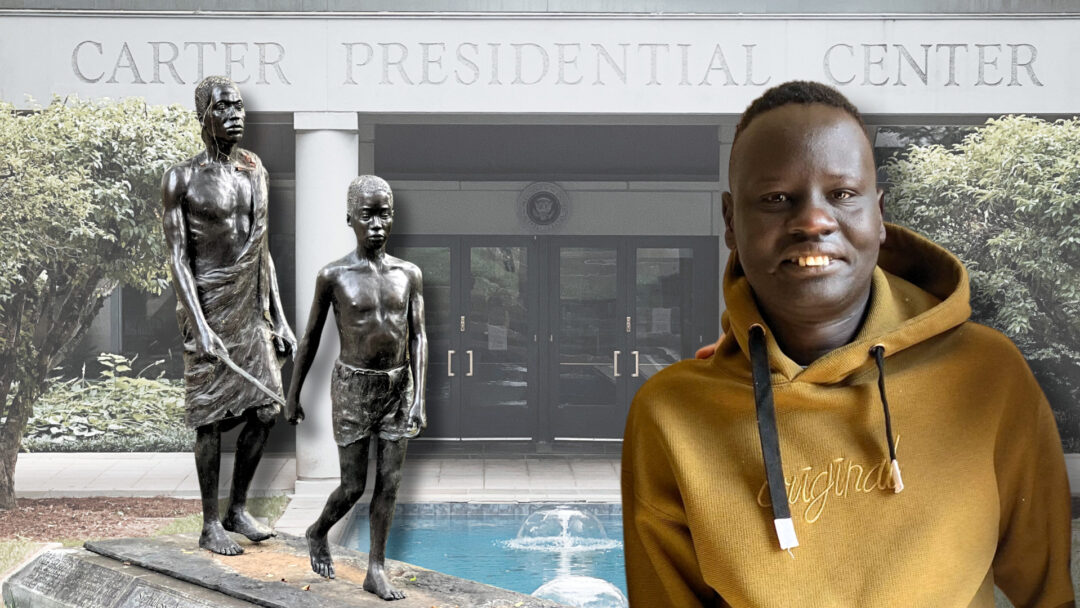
587,326
662,300
498,340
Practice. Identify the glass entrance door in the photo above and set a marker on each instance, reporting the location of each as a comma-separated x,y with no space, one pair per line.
498,363
549,338
664,310
479,295
588,341
621,310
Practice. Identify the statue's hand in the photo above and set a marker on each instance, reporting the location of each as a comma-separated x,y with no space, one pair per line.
293,412
284,340
209,345
417,418
285,346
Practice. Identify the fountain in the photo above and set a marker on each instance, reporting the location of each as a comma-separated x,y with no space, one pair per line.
568,532
562,529
582,592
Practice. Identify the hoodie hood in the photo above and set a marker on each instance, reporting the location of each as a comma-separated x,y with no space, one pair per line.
918,291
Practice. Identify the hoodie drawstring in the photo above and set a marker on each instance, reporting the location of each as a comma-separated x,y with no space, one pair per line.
765,410
879,356
770,438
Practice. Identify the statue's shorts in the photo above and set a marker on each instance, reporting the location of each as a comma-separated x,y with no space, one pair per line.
367,402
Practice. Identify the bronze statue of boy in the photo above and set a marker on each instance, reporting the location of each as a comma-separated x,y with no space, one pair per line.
228,305
378,381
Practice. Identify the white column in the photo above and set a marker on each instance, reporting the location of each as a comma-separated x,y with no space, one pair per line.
327,159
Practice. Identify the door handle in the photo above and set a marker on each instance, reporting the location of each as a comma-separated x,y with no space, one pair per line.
450,363
637,365
615,364
469,373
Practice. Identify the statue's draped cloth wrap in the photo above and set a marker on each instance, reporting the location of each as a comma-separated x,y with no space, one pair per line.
236,303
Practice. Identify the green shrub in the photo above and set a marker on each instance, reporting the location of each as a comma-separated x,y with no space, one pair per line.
1006,201
117,413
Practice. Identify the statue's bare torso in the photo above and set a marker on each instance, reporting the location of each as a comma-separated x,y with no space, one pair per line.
218,206
371,308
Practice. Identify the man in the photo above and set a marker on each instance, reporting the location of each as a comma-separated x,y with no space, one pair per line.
847,350
379,307
228,306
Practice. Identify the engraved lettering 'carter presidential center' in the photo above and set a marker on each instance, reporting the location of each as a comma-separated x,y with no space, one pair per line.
607,64
559,63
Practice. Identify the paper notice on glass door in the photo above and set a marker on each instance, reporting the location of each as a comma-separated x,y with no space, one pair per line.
496,337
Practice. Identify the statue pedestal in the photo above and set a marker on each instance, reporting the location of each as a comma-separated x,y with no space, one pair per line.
172,572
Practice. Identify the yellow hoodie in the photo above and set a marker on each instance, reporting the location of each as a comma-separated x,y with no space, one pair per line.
985,497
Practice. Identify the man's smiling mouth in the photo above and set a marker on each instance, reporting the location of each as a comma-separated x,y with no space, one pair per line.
811,260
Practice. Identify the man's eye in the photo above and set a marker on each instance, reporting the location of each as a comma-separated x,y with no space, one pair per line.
842,195
776,197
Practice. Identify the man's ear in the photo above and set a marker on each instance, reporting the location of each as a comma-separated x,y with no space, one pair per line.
348,219
881,213
728,208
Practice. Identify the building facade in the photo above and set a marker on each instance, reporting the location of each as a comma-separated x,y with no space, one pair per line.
557,167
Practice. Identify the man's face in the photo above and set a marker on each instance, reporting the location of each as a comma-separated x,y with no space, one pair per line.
224,118
373,218
804,211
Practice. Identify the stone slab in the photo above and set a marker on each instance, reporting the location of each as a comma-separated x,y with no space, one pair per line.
277,574
76,578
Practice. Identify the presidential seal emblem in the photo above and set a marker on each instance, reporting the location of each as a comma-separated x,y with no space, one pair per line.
543,206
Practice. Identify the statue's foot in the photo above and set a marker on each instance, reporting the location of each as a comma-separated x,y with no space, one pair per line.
214,538
321,562
241,522
376,582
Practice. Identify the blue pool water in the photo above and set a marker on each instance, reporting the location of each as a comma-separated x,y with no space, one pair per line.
482,545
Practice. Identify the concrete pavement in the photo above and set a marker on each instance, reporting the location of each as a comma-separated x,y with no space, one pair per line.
425,479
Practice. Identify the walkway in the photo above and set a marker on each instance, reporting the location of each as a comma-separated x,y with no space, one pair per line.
49,475
426,479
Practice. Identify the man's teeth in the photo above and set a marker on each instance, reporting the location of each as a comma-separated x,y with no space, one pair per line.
814,260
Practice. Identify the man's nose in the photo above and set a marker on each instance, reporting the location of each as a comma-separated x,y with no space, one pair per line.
812,216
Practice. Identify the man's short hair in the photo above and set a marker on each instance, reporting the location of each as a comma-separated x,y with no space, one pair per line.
203,89
796,91
363,186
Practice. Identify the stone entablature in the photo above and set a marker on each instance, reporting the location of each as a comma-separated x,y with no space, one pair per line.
548,64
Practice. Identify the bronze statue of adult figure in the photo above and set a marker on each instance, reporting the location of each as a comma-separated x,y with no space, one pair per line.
228,306
377,386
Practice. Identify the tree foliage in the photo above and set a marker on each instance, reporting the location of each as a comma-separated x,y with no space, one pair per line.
80,214
1006,200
